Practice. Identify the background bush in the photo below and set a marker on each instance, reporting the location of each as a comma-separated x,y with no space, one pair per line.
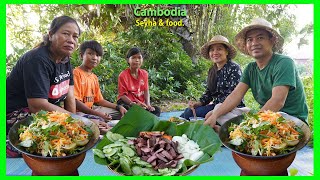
173,75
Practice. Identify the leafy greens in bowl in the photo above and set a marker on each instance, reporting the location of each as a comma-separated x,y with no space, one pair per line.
53,135
265,135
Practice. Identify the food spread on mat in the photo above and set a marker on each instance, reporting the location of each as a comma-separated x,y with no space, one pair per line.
151,153
176,120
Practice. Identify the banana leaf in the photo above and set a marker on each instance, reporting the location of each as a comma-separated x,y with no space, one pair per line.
137,119
132,123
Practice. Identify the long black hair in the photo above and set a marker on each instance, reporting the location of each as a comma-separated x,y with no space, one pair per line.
133,51
56,24
212,74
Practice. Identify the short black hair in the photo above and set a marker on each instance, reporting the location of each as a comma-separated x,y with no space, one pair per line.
133,51
94,45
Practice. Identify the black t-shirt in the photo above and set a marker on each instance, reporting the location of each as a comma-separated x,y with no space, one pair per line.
36,75
228,78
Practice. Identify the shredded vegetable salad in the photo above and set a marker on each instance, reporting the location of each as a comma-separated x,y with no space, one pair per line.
54,134
266,134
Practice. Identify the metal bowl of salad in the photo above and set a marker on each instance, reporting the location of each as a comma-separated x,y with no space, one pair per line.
54,143
264,135
53,135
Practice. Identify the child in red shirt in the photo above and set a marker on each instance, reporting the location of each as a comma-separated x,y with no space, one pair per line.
133,87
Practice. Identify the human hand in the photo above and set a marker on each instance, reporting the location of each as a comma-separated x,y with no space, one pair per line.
210,120
208,115
106,116
122,111
150,108
143,105
194,105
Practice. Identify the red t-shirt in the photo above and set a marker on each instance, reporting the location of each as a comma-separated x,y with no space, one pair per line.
133,88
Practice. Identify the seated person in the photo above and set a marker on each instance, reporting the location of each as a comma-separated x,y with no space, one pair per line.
133,86
223,77
272,77
42,77
87,90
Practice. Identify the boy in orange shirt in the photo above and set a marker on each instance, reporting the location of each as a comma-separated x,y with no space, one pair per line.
87,90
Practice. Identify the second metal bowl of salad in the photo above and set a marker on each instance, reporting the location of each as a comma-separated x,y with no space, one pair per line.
257,149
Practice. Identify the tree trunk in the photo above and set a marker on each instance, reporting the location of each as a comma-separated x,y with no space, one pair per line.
185,35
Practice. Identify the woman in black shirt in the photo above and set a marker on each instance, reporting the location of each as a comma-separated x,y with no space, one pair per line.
223,76
42,77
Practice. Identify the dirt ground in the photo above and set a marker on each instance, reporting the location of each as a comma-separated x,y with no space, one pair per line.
171,105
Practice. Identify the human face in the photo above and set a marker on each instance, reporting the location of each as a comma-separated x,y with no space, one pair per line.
135,61
65,40
259,44
90,58
218,53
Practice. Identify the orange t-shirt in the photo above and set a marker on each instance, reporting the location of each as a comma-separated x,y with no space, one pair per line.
86,87
133,88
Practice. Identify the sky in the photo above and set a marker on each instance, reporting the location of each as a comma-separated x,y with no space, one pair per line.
304,15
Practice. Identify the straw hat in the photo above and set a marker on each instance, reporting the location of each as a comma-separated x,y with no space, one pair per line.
258,23
218,39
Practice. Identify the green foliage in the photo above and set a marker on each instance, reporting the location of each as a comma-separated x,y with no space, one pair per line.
172,75
168,65
250,102
308,88
13,58
194,91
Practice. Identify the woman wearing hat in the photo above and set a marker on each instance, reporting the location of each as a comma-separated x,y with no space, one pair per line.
223,77
272,77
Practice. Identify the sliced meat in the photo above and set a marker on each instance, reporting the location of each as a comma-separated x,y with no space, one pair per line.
157,150
172,152
161,158
152,158
145,149
167,155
